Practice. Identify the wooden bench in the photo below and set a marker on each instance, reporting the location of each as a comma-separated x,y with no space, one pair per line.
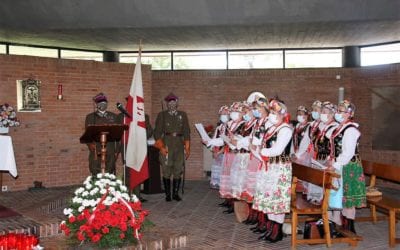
389,204
299,206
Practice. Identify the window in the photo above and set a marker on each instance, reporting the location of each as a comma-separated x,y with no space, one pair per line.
3,49
199,60
32,51
158,61
82,55
255,59
320,58
382,54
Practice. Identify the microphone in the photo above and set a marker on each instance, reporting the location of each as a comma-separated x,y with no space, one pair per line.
123,110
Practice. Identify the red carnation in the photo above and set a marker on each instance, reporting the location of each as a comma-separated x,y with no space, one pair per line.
96,237
122,236
80,236
105,230
72,219
81,217
123,226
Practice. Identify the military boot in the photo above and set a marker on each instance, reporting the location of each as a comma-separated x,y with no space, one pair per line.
167,189
175,189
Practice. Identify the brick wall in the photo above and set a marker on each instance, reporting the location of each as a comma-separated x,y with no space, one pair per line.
46,145
203,92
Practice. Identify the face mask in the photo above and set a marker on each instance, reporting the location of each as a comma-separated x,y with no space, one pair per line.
324,118
300,118
339,118
315,115
234,116
224,118
102,106
256,113
246,117
172,106
273,118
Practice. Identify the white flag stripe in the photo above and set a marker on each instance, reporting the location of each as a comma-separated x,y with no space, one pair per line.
136,150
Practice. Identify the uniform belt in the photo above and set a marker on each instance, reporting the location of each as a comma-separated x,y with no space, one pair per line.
174,134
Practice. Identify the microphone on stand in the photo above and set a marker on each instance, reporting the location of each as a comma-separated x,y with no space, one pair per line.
123,110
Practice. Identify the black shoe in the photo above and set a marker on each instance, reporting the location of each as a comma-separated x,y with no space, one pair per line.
225,203
262,229
351,226
167,189
175,189
269,226
229,211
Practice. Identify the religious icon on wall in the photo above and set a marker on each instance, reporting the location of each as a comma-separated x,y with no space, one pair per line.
28,95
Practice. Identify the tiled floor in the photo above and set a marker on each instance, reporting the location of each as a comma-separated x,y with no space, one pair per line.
197,216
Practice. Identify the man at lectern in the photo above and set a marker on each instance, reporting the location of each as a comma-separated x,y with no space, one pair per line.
100,117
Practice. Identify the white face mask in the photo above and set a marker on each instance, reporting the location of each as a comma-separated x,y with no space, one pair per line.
224,118
273,118
247,118
315,115
300,118
324,118
339,118
234,116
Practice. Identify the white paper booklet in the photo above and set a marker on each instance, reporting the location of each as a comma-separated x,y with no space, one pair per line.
203,134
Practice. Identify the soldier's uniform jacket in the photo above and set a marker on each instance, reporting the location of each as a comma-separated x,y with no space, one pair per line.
173,129
96,118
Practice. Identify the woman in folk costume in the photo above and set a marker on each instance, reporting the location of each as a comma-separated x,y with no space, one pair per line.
216,144
260,112
272,196
234,126
241,161
346,161
301,139
322,147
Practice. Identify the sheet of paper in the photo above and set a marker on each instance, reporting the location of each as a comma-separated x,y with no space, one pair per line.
203,134
317,164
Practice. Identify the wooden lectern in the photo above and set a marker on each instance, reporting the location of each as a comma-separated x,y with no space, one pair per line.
103,134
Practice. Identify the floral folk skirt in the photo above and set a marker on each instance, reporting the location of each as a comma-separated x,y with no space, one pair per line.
354,191
273,188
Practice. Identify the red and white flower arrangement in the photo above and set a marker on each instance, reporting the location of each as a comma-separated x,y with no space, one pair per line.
8,116
102,212
19,241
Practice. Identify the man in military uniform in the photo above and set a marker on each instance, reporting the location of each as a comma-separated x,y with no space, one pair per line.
172,135
99,117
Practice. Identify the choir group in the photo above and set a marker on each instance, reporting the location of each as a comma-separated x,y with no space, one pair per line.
253,148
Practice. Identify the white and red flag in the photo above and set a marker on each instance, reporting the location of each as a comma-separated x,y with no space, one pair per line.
136,150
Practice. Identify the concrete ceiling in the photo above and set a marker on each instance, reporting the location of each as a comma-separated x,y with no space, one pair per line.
118,25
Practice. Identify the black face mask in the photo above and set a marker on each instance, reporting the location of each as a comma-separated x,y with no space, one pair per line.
172,106
102,106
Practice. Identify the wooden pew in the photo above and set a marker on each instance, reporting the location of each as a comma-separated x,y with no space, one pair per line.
389,204
300,206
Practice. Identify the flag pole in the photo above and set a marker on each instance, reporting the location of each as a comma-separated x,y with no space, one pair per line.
124,158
